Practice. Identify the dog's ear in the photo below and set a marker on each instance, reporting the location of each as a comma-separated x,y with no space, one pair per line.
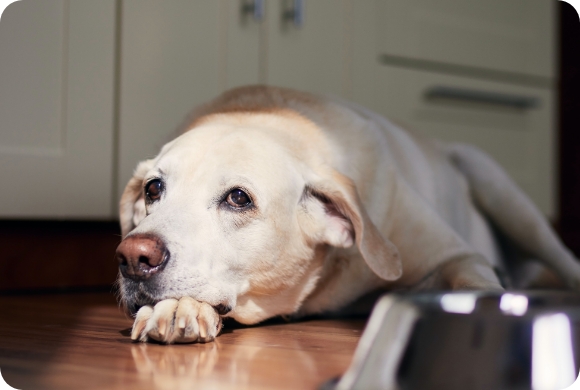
132,204
333,214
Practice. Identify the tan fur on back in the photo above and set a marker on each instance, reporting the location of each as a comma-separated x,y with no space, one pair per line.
252,99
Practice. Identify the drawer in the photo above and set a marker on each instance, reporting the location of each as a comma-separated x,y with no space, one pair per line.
515,36
514,124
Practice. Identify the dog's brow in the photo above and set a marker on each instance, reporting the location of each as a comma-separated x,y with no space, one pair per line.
236,180
158,174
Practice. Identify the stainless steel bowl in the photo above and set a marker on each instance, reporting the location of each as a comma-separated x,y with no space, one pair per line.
469,340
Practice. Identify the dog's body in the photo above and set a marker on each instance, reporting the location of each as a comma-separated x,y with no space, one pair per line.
276,202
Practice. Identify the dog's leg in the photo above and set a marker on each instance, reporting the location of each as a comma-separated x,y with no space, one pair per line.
469,272
513,212
177,321
434,255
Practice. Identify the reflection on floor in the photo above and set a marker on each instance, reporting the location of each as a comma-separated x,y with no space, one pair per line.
82,341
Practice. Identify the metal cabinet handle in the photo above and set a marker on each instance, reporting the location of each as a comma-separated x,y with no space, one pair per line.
295,14
254,8
478,96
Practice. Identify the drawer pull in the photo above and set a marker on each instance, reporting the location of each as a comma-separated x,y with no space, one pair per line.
295,14
478,96
254,8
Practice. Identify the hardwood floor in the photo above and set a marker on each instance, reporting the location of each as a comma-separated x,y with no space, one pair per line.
82,341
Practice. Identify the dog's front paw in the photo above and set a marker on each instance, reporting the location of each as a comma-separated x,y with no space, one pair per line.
177,321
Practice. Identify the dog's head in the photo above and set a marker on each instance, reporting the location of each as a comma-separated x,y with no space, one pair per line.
239,212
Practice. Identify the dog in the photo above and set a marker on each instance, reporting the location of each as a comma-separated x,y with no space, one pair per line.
275,202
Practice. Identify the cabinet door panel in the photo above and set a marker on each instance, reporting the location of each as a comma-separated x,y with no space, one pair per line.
315,56
56,109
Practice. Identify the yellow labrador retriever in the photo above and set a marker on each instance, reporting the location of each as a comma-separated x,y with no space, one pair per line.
276,202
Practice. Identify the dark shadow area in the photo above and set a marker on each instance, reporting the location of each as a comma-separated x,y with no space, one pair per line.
52,256
569,224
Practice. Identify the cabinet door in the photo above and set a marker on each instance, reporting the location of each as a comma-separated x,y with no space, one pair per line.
312,57
176,55
56,109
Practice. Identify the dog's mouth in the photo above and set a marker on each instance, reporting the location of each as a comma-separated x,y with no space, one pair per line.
143,300
135,295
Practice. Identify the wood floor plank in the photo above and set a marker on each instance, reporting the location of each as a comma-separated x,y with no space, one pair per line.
82,341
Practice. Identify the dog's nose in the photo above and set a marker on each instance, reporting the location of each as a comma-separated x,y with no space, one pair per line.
141,255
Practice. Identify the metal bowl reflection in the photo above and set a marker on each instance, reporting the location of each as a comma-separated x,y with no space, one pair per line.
469,340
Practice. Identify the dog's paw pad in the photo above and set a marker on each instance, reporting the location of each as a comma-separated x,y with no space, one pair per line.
177,321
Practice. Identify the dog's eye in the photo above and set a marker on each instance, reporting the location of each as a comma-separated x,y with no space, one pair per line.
238,198
153,190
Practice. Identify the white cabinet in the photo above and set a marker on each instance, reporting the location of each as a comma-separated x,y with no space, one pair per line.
56,109
89,88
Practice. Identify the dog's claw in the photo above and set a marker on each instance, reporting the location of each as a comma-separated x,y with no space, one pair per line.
202,331
177,321
181,324
161,328
141,319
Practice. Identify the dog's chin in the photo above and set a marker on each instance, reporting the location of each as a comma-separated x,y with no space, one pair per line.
135,295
